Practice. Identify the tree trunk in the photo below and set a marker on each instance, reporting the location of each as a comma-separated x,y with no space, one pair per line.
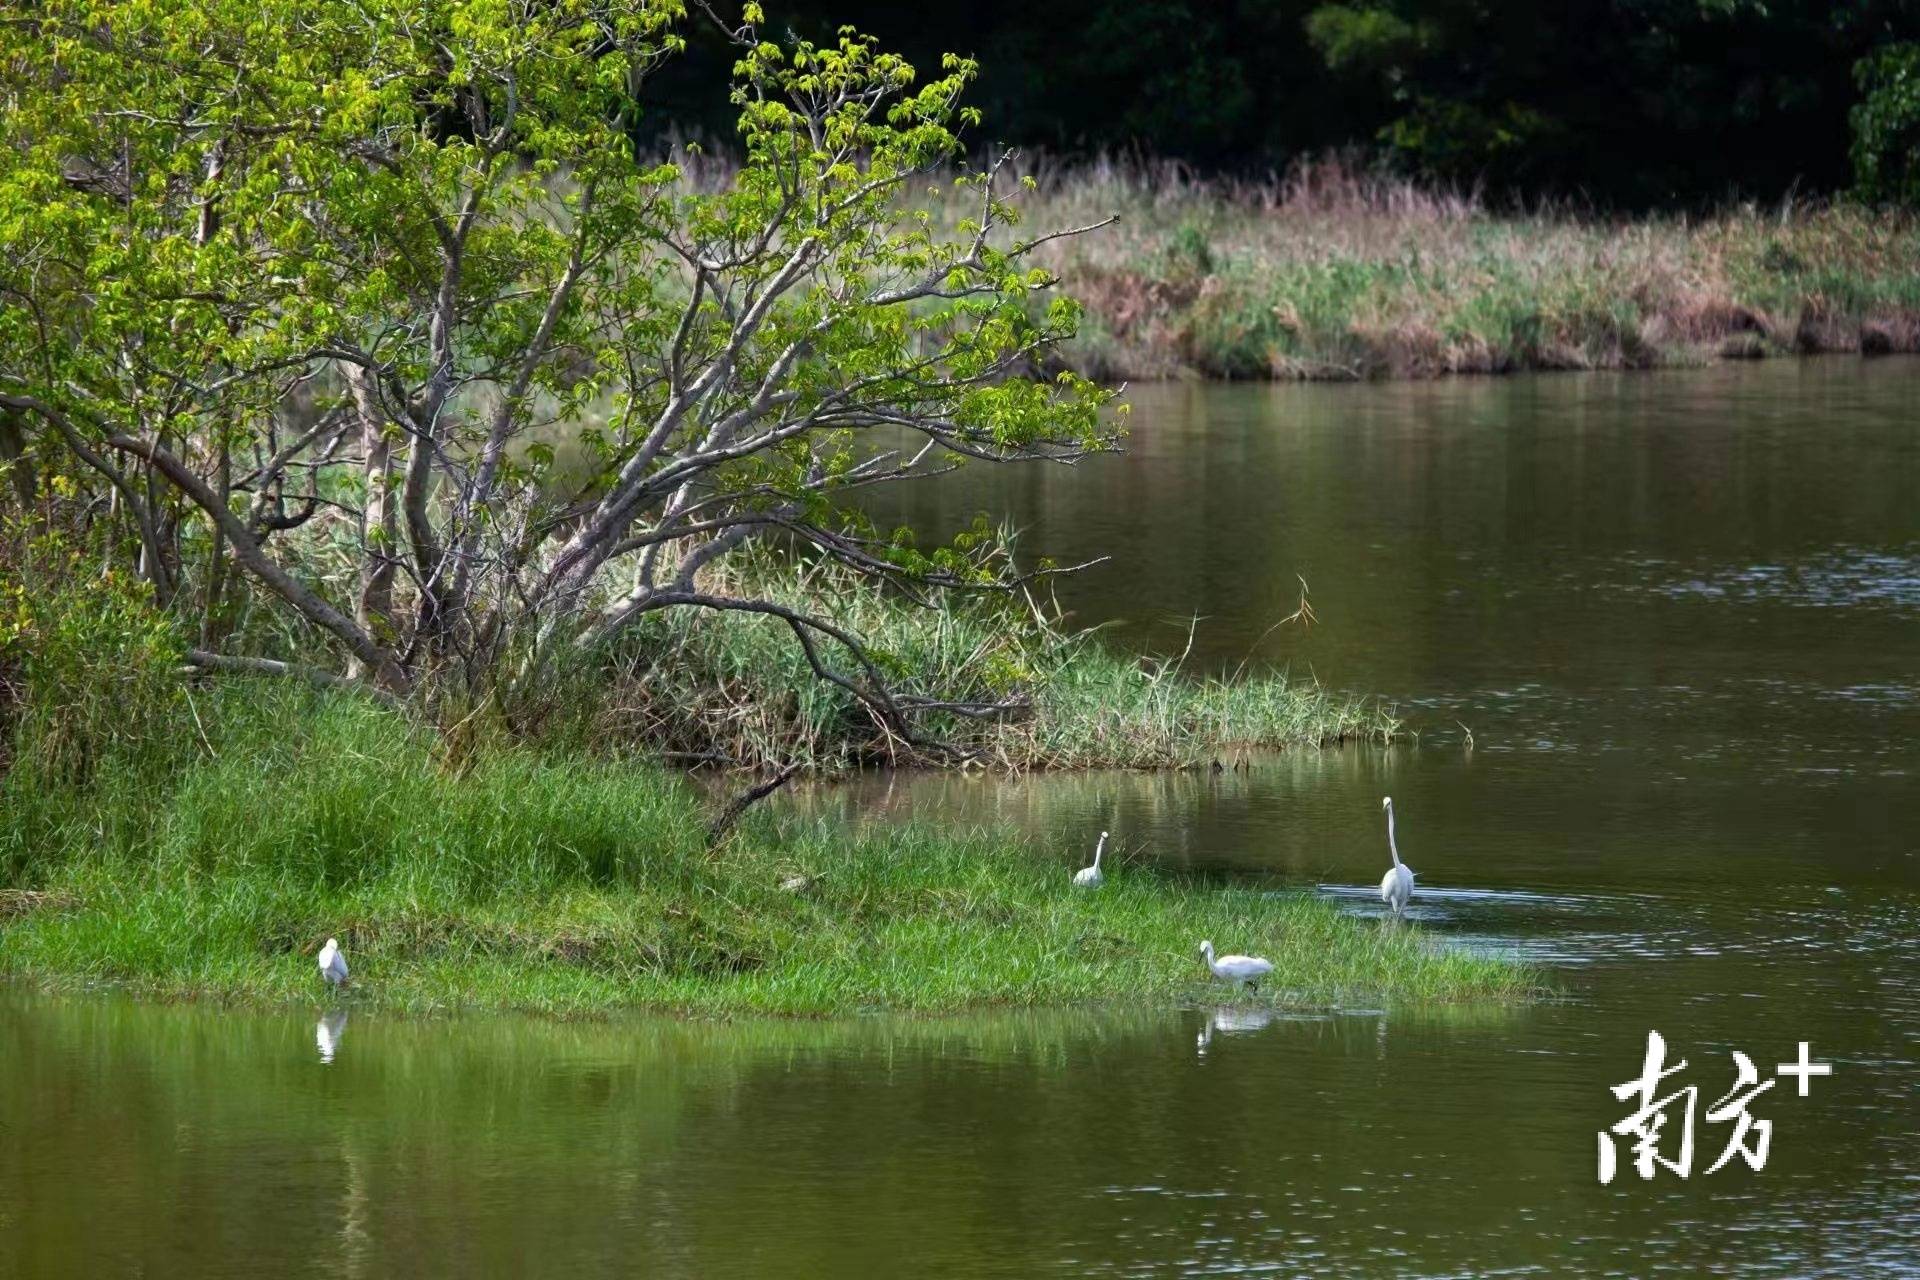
373,606
13,453
217,555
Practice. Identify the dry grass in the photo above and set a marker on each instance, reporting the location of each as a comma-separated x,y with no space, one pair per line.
1336,272
15,903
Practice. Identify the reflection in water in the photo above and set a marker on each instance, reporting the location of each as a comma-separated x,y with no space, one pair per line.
326,1034
1231,1020
356,1243
1068,1143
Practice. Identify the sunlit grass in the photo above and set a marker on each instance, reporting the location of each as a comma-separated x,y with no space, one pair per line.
565,887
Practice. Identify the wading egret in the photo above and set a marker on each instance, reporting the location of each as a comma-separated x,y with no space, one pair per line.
1090,877
333,963
1396,887
1237,969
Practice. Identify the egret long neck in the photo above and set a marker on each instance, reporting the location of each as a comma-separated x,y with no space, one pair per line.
1392,848
1098,849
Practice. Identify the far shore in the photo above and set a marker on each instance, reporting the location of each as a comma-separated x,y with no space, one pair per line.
1337,274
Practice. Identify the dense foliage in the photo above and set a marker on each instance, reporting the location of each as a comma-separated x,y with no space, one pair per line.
1886,125
1637,102
371,316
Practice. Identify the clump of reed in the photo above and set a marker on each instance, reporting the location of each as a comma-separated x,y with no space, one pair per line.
734,688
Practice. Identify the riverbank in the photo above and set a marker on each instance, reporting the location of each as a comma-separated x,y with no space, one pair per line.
1334,273
568,887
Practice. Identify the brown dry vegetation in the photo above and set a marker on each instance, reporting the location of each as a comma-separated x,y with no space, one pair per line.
1336,272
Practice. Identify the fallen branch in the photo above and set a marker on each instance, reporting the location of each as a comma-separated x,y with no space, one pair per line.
15,903
746,800
200,660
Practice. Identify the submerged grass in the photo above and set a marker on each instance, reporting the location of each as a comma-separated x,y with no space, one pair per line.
535,882
1337,272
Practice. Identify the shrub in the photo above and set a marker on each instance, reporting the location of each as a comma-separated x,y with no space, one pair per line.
1886,125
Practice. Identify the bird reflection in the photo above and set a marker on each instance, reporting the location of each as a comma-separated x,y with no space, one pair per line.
1231,1021
326,1035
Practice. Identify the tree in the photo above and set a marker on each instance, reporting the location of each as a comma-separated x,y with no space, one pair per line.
377,302
1627,102
1886,125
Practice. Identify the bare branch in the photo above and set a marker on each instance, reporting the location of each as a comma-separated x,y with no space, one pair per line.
202,660
245,548
746,800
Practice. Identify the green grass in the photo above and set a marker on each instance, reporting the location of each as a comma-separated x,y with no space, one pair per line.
552,884
1338,273
704,685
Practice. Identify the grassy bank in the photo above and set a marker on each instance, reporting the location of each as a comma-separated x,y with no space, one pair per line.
541,883
1333,273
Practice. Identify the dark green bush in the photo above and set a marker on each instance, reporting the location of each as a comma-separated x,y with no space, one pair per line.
1886,125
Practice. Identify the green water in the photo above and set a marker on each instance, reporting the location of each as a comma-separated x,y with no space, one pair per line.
1679,614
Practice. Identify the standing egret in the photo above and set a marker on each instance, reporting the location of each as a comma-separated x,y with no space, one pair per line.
1396,887
1237,969
333,964
1090,877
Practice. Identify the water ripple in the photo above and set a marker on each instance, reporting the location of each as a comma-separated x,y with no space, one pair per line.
1840,578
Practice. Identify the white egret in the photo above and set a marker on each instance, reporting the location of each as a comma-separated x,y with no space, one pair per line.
333,964
1237,969
1396,887
1090,877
